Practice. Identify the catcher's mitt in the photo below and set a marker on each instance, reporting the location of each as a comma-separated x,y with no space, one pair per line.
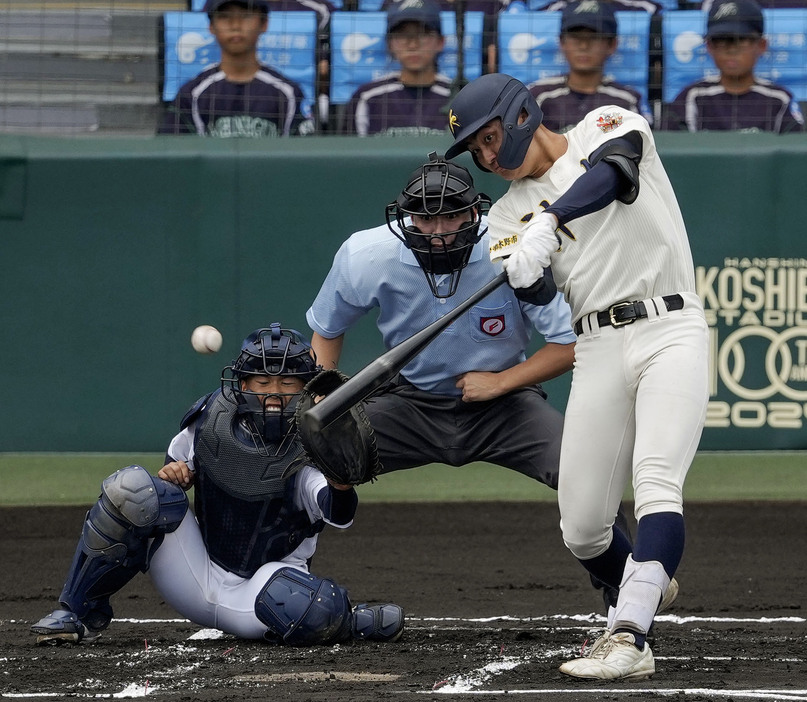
345,450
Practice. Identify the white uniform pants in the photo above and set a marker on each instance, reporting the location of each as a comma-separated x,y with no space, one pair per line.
636,411
204,592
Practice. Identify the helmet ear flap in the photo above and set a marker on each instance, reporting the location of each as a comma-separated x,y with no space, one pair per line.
517,135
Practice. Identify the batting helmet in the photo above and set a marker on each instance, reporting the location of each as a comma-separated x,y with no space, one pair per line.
495,95
439,188
271,351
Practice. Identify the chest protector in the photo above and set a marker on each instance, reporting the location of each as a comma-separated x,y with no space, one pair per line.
244,507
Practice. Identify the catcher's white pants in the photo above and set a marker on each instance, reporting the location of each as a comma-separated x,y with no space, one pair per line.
204,592
636,411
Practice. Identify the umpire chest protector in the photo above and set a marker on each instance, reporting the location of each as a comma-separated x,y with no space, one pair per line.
243,505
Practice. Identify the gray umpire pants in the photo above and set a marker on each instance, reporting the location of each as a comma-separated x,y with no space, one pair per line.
520,431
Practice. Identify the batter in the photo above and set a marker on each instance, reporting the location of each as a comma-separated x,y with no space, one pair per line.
596,204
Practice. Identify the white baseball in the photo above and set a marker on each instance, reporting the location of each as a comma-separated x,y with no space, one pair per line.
206,339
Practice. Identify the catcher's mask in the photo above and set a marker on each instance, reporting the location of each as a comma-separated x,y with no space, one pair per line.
269,417
439,189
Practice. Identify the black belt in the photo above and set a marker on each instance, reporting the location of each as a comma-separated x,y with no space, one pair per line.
623,313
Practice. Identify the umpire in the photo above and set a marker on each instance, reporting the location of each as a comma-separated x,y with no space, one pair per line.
473,394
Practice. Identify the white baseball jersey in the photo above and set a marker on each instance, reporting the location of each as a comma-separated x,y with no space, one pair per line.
639,391
643,253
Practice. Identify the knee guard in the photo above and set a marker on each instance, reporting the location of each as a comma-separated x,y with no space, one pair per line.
133,508
302,609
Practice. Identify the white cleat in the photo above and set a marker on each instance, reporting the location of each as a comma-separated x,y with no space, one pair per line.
669,596
613,657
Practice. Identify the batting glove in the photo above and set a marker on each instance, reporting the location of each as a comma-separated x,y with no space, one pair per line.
536,244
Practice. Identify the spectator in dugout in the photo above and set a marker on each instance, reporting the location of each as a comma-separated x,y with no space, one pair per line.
490,9
239,96
412,100
735,99
588,37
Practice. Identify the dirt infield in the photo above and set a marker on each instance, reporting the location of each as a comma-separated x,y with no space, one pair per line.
494,604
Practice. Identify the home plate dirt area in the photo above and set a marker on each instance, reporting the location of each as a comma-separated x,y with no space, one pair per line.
494,604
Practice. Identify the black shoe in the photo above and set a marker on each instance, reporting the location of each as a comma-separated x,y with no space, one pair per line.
62,626
609,594
378,622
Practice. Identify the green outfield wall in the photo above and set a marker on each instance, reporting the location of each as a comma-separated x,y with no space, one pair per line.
114,250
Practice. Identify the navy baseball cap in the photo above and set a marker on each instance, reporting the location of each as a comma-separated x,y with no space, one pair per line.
739,18
589,14
213,5
421,11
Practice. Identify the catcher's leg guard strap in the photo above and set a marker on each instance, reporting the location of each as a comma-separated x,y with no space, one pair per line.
643,584
113,547
303,609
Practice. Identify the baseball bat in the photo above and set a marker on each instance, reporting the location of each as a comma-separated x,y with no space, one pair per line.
384,368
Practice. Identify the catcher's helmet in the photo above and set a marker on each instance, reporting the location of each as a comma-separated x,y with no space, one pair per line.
439,188
486,98
269,351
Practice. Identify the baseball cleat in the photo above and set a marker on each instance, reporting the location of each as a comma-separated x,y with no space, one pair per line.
378,622
669,596
62,626
613,657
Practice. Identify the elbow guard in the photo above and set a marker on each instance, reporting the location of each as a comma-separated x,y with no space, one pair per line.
624,154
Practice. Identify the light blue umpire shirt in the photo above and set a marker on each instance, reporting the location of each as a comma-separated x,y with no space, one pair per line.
374,269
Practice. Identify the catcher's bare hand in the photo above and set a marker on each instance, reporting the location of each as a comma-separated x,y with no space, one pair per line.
177,472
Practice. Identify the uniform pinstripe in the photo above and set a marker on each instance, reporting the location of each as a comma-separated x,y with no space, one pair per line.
639,393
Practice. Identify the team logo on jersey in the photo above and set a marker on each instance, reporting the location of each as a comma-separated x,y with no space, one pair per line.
608,121
492,326
453,122
527,217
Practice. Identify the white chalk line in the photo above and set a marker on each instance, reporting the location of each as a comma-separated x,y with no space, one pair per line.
797,695
592,618
465,683
598,618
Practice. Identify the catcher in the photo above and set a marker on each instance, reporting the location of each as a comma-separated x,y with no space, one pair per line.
240,563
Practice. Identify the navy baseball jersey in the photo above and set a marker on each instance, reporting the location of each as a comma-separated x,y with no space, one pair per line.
563,107
706,105
387,106
324,10
270,105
